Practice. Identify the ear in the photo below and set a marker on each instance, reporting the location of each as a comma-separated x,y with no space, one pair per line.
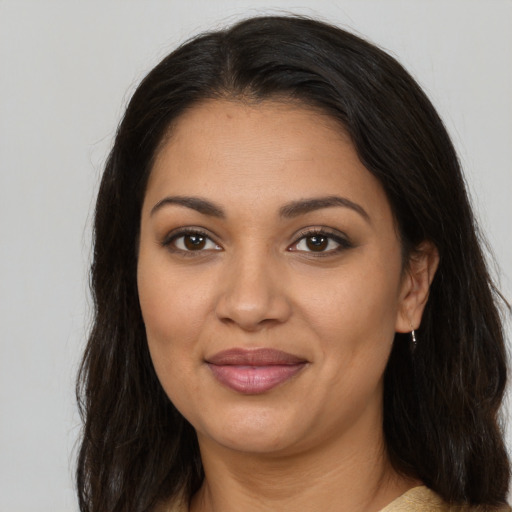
418,277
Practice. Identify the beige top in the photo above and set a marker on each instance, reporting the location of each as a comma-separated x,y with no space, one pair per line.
418,499
422,499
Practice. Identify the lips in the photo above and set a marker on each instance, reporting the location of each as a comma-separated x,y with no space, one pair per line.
254,371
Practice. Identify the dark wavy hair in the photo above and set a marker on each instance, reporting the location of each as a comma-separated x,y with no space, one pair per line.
441,403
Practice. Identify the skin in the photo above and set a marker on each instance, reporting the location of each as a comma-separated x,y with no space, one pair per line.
314,442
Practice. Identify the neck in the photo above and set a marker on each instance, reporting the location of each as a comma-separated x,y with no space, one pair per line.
340,475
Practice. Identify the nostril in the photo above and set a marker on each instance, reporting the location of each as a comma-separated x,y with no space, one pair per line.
254,315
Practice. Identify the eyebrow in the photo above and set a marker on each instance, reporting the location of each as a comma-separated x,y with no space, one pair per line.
288,211
300,207
195,203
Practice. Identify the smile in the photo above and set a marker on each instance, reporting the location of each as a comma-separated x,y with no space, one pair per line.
253,372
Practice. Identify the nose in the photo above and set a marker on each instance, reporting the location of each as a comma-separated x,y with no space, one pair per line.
253,294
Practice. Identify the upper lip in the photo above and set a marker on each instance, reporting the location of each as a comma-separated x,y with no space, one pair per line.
254,357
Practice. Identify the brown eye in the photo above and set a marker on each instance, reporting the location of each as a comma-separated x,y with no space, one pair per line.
321,243
317,243
194,242
190,241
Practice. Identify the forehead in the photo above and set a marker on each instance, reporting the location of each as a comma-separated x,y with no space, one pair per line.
240,124
267,152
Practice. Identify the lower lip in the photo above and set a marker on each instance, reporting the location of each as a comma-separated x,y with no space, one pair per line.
253,380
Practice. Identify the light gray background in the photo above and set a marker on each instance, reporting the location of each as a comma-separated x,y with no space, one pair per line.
67,70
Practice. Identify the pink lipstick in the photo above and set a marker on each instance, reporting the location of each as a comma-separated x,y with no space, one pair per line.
252,372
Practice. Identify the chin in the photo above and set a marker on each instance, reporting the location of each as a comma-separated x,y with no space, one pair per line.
259,432
254,442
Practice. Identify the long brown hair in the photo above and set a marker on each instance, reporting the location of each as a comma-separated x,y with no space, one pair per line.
441,403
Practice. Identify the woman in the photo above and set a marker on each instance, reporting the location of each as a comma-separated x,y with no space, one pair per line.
292,307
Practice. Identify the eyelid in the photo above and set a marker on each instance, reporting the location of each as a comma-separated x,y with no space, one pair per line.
184,231
337,236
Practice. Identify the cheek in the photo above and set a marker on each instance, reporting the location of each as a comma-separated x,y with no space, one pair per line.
174,310
354,313
172,324
173,303
352,302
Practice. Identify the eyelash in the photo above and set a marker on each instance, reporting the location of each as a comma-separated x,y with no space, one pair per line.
342,241
169,241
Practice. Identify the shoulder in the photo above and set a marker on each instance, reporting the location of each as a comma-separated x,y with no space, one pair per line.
418,499
177,505
422,499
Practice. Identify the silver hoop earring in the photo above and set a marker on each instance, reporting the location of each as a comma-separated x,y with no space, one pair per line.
414,340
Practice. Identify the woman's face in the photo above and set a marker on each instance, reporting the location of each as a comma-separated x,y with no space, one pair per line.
270,278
